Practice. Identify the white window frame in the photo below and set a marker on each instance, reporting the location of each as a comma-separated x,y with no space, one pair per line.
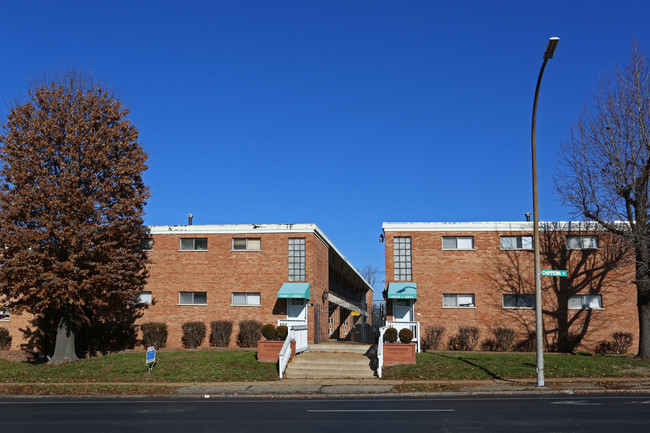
194,246
456,239
4,316
456,296
519,240
518,306
146,298
193,296
250,244
249,299
592,239
585,300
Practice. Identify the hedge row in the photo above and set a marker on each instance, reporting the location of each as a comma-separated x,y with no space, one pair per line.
194,333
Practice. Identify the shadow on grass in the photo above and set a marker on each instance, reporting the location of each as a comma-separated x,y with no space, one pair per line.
480,367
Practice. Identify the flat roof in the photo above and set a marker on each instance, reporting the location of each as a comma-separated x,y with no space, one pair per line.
491,226
241,229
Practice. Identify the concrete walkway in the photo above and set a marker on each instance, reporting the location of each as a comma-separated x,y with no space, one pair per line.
356,387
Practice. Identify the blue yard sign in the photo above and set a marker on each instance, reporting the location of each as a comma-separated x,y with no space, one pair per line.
151,358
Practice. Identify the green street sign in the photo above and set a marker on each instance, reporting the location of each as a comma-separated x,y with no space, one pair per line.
553,273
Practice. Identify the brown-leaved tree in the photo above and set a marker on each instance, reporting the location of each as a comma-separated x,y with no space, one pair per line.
605,172
71,206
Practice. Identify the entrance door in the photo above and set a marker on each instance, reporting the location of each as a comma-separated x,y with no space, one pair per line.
296,309
403,310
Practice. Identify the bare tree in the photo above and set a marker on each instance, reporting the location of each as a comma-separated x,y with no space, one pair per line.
369,272
605,169
71,206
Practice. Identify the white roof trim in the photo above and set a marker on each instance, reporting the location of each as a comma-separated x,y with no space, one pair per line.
495,226
252,229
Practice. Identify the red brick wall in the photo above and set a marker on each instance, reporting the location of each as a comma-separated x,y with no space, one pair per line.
488,272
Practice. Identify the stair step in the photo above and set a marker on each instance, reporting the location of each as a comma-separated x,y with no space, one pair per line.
342,348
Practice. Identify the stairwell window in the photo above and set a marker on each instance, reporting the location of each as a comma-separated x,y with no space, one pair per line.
146,244
458,242
194,244
4,316
582,242
402,267
145,297
192,298
516,242
588,302
458,300
297,265
246,244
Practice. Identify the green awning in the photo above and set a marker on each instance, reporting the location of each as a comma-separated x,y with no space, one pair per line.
294,291
402,291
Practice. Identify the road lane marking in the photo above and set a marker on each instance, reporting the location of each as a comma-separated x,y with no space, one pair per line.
381,410
576,403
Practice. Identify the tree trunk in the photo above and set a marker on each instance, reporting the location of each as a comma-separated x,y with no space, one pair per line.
64,350
644,330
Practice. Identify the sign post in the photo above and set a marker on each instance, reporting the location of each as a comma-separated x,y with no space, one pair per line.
151,358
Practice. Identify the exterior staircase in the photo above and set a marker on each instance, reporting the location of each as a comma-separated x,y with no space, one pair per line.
334,361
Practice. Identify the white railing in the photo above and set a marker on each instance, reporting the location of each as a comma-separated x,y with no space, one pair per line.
292,322
380,350
298,334
413,326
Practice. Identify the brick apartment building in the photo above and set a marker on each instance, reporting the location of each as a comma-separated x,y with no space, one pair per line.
274,273
482,274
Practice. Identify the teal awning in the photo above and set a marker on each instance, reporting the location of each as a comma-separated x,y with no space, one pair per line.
294,291
402,291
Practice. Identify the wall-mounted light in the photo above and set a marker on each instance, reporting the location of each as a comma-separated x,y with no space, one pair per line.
325,295
381,238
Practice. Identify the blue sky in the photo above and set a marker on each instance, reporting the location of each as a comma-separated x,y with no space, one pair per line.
341,113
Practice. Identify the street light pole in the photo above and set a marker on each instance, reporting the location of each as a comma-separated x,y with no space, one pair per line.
539,326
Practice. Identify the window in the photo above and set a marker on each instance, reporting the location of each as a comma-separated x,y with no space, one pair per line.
145,297
247,244
585,301
331,321
402,269
297,266
192,298
516,242
4,316
146,244
464,301
241,298
513,300
458,242
194,244
582,242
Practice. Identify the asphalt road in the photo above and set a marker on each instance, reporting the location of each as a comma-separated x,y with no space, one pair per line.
576,413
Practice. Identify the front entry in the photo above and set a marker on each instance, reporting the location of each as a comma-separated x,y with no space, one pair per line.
296,309
403,310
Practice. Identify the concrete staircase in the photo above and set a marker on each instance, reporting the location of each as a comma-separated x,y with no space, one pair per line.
334,361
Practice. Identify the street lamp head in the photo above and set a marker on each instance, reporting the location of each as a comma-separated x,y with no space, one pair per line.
550,48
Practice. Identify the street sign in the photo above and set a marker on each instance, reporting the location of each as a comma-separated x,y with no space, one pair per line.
553,273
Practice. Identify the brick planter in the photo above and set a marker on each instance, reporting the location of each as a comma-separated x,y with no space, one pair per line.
269,351
398,353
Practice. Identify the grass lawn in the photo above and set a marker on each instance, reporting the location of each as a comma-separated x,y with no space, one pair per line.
182,366
474,365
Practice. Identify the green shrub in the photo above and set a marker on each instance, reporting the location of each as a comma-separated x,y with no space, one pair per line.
604,348
621,342
489,345
466,339
268,331
249,334
503,338
5,339
220,332
529,344
405,335
154,334
432,337
390,335
193,334
281,333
